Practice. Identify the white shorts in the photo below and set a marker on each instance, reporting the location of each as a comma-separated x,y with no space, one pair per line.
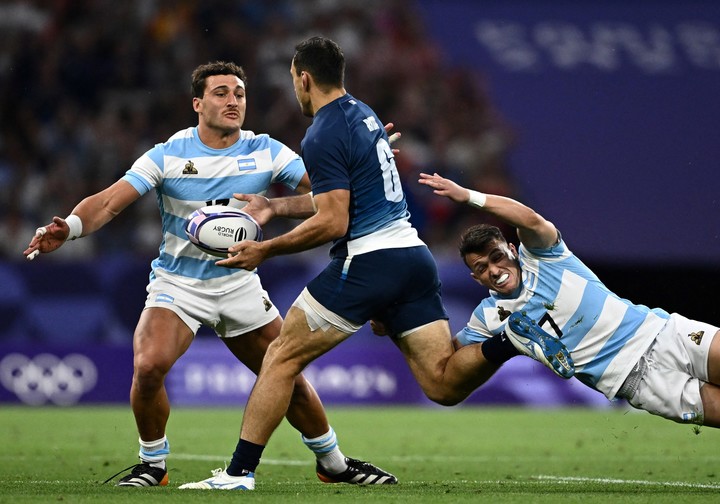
230,313
673,369
319,317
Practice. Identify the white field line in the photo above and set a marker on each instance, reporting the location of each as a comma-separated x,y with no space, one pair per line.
614,481
535,480
520,483
538,478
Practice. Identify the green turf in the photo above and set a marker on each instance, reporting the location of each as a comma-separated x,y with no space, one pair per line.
449,455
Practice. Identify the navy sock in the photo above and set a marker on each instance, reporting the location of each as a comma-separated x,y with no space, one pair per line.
498,349
245,459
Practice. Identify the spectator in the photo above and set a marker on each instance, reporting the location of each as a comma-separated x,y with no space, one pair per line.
84,110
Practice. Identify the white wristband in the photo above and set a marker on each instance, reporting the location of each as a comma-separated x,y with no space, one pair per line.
75,224
477,199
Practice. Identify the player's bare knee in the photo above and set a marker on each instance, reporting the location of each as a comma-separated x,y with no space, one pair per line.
288,353
444,396
149,372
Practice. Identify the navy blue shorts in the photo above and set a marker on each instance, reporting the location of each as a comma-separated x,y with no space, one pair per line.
399,287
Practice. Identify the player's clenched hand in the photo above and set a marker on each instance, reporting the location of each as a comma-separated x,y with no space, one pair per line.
244,255
444,187
47,238
258,207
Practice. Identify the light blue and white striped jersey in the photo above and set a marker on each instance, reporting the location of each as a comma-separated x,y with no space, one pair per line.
187,174
605,334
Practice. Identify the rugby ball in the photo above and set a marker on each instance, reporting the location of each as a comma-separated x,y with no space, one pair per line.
213,229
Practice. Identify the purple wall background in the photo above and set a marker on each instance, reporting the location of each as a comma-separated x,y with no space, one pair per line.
68,327
68,341
618,113
355,373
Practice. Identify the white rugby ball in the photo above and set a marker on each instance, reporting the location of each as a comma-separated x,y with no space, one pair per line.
213,229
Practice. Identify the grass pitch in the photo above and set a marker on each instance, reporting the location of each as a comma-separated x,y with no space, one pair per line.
439,455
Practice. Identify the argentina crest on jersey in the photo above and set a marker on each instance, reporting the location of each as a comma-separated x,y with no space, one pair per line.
246,164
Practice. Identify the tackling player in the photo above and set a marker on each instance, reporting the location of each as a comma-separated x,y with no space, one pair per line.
663,363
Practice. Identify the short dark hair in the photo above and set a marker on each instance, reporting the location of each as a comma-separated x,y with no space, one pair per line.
201,73
323,59
476,239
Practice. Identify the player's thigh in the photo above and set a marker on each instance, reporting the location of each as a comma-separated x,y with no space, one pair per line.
427,351
710,395
160,338
250,348
714,360
298,344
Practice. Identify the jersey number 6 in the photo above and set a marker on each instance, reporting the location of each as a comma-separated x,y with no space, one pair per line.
391,177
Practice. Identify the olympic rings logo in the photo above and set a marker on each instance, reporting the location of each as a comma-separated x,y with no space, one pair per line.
46,377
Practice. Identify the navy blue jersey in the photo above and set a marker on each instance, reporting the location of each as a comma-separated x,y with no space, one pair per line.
346,147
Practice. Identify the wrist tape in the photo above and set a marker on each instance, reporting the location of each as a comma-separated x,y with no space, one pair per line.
477,199
75,224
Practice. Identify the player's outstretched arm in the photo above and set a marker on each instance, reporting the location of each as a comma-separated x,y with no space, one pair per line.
445,187
88,216
47,238
533,229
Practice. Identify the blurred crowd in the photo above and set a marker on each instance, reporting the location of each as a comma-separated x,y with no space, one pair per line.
89,85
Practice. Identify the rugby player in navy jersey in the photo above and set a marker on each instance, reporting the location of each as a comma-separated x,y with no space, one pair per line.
379,267
662,363
196,166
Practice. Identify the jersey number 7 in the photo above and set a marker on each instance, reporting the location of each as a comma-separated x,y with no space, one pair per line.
547,318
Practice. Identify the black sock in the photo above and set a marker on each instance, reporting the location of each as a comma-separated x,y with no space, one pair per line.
498,349
245,459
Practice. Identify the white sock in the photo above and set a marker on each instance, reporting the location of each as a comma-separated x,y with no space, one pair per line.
160,464
327,451
154,452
